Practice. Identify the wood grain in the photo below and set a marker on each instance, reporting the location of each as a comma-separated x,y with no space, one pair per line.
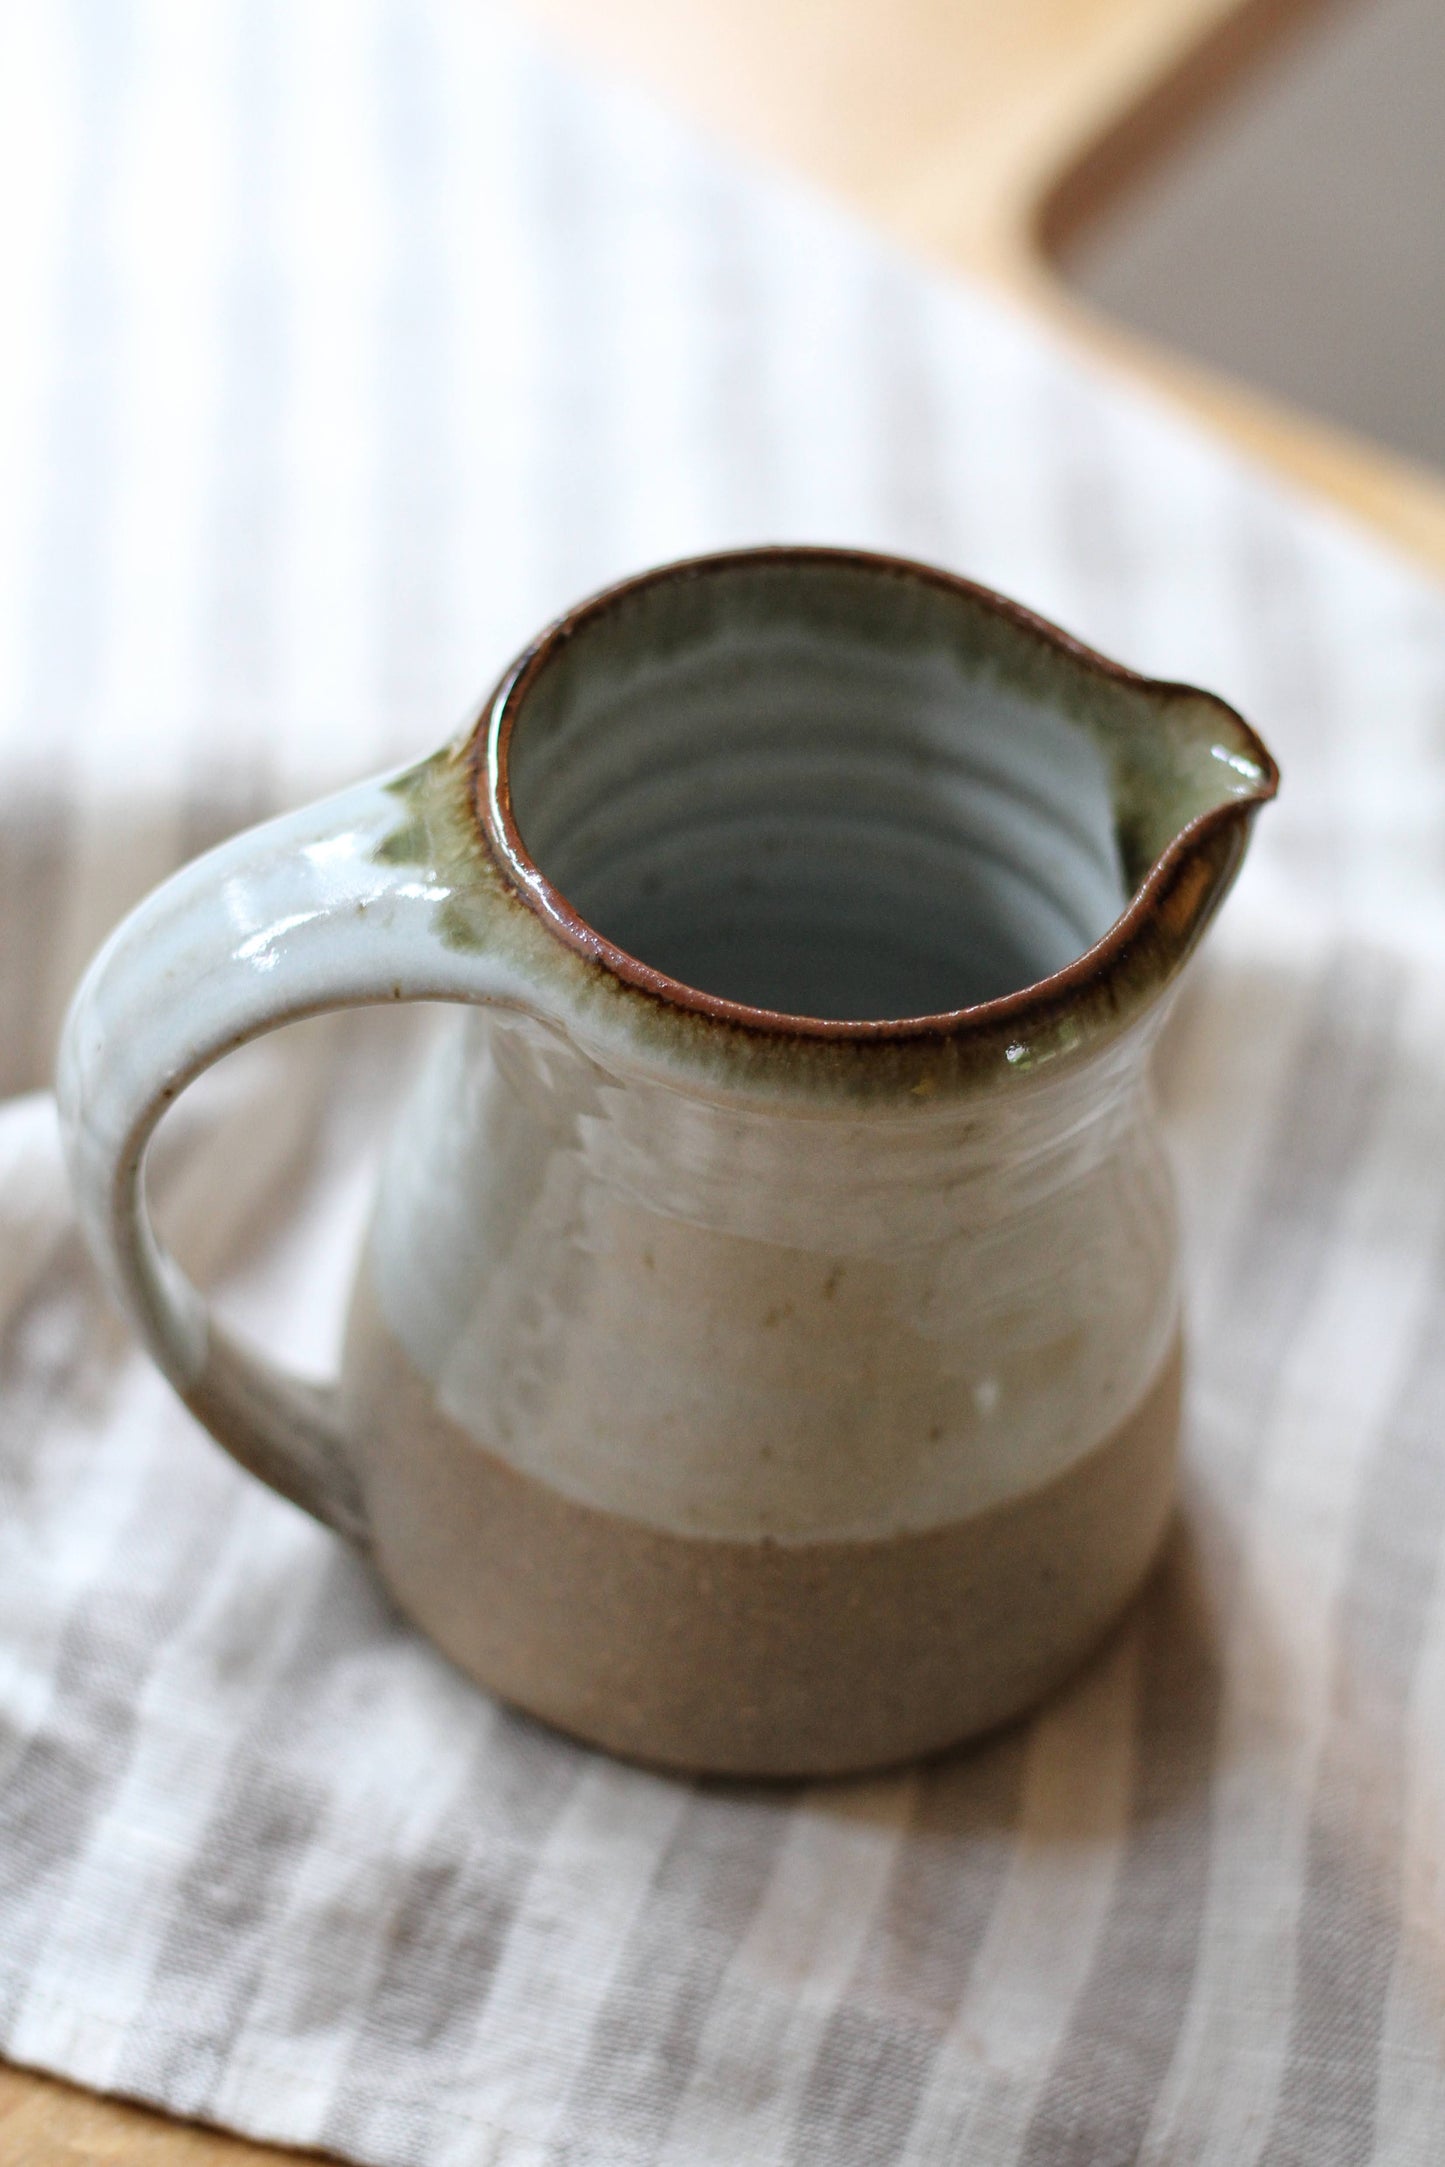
972,131
47,2124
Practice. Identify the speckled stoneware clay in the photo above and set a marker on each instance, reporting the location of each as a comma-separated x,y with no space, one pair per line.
738,1376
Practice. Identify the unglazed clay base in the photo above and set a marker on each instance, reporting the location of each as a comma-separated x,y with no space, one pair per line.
748,1658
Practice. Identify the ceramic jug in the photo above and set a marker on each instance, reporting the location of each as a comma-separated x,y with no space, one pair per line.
765,1356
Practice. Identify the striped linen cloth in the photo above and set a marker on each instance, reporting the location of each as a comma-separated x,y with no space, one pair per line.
344,340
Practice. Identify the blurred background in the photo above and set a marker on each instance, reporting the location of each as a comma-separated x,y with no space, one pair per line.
1243,201
1291,229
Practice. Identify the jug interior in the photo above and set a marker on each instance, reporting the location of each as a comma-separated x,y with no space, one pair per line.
818,791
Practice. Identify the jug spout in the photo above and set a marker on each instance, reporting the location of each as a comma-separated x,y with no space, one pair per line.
1187,775
1183,758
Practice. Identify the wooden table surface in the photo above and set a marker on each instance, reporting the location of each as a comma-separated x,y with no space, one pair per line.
976,132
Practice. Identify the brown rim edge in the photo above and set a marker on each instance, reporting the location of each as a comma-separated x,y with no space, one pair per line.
487,765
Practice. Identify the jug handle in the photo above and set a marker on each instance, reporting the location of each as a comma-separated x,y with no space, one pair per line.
299,916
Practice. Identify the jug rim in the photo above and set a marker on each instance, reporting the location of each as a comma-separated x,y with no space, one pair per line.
1162,919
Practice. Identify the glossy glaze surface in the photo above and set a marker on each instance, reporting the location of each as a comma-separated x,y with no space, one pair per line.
750,1324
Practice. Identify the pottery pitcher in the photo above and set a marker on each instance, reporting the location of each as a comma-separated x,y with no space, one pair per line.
765,1355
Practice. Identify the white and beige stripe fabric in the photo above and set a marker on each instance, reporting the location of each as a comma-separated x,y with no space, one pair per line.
344,340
